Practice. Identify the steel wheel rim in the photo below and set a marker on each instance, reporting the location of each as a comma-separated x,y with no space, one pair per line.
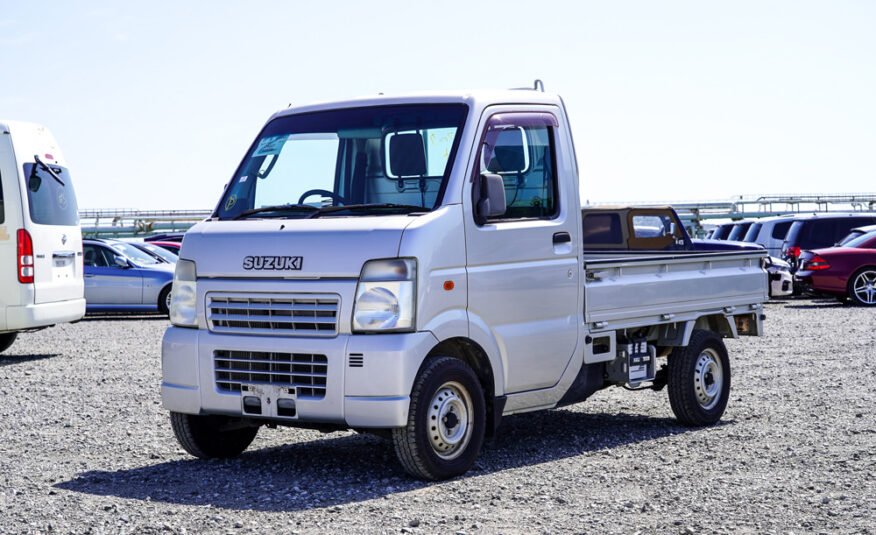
450,420
865,287
708,378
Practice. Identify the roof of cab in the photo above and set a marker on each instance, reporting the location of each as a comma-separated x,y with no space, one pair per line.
475,99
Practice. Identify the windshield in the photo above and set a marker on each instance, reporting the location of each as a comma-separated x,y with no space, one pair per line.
50,201
159,251
400,155
136,255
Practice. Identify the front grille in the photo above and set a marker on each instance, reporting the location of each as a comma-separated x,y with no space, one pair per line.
273,314
302,371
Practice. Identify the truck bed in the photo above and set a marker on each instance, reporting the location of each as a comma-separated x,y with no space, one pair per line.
637,288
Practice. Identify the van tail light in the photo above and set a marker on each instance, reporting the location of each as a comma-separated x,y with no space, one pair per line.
25,257
816,263
793,252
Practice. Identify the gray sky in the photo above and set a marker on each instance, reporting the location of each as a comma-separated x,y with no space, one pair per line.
154,103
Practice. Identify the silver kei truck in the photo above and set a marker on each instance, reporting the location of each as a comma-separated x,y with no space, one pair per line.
413,267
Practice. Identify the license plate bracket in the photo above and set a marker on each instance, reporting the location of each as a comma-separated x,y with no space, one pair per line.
271,401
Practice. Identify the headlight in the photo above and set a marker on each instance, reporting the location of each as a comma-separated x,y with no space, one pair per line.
183,300
386,296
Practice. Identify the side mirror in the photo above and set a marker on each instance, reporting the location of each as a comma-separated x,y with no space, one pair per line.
491,201
121,262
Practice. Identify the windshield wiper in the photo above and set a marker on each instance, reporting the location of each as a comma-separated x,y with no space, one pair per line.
406,208
48,170
276,208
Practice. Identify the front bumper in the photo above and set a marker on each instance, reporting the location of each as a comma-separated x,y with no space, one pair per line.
44,314
371,391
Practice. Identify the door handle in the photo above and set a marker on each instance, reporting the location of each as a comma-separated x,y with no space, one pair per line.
88,276
562,237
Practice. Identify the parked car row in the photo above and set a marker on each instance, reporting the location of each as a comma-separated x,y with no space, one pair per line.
830,254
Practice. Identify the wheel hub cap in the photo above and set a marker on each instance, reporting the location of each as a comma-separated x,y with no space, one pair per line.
865,287
449,420
708,379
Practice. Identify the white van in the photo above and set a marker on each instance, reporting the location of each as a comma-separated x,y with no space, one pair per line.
769,232
40,240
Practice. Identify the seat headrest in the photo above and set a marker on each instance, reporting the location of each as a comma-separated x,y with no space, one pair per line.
407,155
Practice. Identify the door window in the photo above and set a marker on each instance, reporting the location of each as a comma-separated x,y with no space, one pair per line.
520,148
95,256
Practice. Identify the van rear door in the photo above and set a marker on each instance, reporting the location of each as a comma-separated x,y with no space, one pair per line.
51,215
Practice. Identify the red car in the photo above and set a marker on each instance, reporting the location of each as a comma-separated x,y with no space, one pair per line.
172,246
846,271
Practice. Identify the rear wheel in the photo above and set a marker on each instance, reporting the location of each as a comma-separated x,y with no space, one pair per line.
862,287
6,340
699,379
208,437
446,421
164,300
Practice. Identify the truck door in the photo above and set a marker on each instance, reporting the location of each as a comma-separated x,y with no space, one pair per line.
523,265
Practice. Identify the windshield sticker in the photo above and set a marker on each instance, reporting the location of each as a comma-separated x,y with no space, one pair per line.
270,145
243,178
232,200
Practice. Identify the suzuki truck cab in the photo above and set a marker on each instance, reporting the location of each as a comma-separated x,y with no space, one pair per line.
40,239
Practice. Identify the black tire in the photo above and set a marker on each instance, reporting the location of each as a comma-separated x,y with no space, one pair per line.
163,305
205,438
6,340
699,379
445,386
861,287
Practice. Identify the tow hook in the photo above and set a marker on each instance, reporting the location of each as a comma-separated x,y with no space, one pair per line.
661,378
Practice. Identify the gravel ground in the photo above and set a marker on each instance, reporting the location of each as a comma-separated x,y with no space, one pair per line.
87,448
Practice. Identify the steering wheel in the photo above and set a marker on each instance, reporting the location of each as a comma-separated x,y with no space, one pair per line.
334,196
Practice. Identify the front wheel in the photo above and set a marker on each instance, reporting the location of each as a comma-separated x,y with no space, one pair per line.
446,421
6,340
699,379
862,287
208,437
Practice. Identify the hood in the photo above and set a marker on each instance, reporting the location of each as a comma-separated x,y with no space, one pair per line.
329,247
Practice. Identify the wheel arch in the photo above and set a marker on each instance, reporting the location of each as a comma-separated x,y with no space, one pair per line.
476,357
719,324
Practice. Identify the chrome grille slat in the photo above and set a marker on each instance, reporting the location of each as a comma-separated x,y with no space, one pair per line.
307,315
273,319
272,372
305,372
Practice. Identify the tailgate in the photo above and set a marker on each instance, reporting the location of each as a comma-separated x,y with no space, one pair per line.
57,263
645,290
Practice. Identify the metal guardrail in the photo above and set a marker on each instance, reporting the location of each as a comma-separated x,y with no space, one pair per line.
123,223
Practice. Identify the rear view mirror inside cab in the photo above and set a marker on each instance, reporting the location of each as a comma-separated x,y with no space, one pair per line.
509,154
407,155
